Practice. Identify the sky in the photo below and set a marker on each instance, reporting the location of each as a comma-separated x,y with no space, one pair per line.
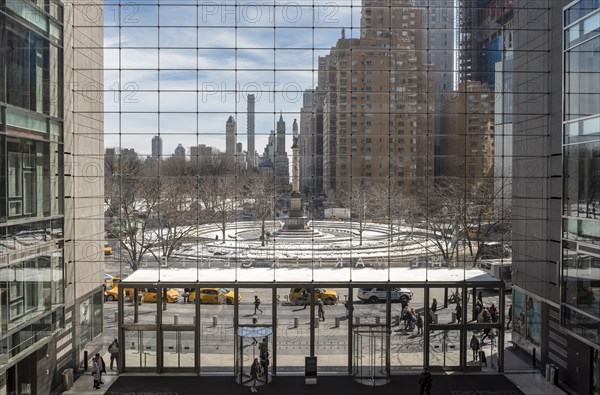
185,78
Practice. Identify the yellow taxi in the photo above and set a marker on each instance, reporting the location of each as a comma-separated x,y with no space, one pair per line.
148,294
328,296
107,249
215,295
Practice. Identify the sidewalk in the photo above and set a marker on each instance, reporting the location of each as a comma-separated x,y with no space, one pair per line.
527,379
85,383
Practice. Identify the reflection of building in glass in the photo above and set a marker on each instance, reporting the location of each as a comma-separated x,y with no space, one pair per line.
581,173
51,154
375,124
467,134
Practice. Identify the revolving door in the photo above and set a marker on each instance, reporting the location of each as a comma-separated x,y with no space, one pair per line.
371,354
253,341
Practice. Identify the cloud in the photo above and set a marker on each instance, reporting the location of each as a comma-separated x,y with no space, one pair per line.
205,59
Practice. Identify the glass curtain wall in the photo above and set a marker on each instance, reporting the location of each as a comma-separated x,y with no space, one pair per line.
355,141
581,152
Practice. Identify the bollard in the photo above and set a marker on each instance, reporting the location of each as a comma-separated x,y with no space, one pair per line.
453,317
194,319
378,320
155,318
116,316
356,320
337,322
215,320
397,319
317,323
296,319
175,319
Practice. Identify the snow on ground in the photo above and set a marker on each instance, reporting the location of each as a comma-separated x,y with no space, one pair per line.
318,275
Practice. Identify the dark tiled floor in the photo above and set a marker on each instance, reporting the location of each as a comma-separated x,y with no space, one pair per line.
460,384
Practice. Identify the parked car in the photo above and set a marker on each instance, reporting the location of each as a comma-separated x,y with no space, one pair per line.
328,296
374,295
215,296
107,248
148,294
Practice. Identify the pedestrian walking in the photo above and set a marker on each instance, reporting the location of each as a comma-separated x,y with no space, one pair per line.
256,304
419,324
434,305
474,346
425,381
304,298
458,311
96,372
509,317
321,310
113,349
254,373
349,308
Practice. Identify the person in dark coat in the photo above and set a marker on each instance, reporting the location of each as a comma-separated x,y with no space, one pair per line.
425,382
113,349
102,366
434,305
254,373
257,304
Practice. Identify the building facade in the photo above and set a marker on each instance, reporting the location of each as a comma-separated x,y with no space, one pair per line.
555,188
375,119
51,198
157,147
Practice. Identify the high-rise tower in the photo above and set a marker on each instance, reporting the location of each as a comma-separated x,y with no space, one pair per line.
282,163
230,136
250,146
157,147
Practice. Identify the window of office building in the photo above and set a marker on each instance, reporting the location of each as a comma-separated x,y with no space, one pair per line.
581,158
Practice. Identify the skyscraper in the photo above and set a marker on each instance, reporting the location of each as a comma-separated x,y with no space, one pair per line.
230,137
157,147
281,163
251,157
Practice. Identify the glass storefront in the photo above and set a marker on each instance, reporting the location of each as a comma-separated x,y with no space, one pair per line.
392,336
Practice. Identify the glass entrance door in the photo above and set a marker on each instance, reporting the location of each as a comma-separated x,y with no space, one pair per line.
253,343
178,350
444,349
371,354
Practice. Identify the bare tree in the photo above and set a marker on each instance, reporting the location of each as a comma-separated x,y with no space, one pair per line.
222,200
362,203
264,192
131,197
177,213
459,210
